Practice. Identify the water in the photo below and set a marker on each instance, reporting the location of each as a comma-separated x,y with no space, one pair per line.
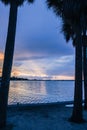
40,91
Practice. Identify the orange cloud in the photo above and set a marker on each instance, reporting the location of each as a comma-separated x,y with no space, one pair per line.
15,72
1,62
1,56
0,71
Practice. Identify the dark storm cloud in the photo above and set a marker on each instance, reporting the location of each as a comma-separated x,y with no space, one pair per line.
38,32
45,46
22,58
49,46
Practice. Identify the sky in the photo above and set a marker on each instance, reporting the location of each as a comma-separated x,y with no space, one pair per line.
41,51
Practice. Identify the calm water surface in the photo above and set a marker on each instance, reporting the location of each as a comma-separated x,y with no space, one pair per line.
40,91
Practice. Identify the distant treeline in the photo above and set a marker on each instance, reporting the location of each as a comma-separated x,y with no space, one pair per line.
19,78
16,78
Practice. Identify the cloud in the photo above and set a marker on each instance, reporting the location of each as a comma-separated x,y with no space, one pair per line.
48,68
64,65
4,15
1,62
38,32
40,48
1,56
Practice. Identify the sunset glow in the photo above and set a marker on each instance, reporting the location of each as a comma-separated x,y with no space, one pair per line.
1,56
41,51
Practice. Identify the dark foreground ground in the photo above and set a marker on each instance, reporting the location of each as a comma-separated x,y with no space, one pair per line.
42,117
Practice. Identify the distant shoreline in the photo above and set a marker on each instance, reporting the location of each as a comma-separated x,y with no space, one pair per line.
26,79
37,80
23,79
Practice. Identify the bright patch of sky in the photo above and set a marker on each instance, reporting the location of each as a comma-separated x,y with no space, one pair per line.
40,48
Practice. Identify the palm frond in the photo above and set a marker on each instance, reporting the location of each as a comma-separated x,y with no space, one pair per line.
18,2
56,5
31,1
6,1
67,30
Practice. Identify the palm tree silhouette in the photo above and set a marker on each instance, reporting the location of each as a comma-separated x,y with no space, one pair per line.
85,69
84,39
8,57
77,42
69,34
72,12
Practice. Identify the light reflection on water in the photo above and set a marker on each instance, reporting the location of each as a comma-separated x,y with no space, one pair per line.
40,91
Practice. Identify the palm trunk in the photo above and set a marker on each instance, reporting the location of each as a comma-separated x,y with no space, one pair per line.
77,109
85,75
7,66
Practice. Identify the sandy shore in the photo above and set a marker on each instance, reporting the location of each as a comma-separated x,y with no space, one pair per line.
44,117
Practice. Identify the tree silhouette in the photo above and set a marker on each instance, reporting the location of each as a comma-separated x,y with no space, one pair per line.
73,13
8,57
69,34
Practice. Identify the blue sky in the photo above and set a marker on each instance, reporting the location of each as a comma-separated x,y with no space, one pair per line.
40,48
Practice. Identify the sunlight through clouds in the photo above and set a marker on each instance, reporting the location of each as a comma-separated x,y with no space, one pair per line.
41,51
1,62
46,68
1,56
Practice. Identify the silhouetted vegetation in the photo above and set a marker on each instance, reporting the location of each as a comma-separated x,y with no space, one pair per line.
8,57
17,78
73,14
